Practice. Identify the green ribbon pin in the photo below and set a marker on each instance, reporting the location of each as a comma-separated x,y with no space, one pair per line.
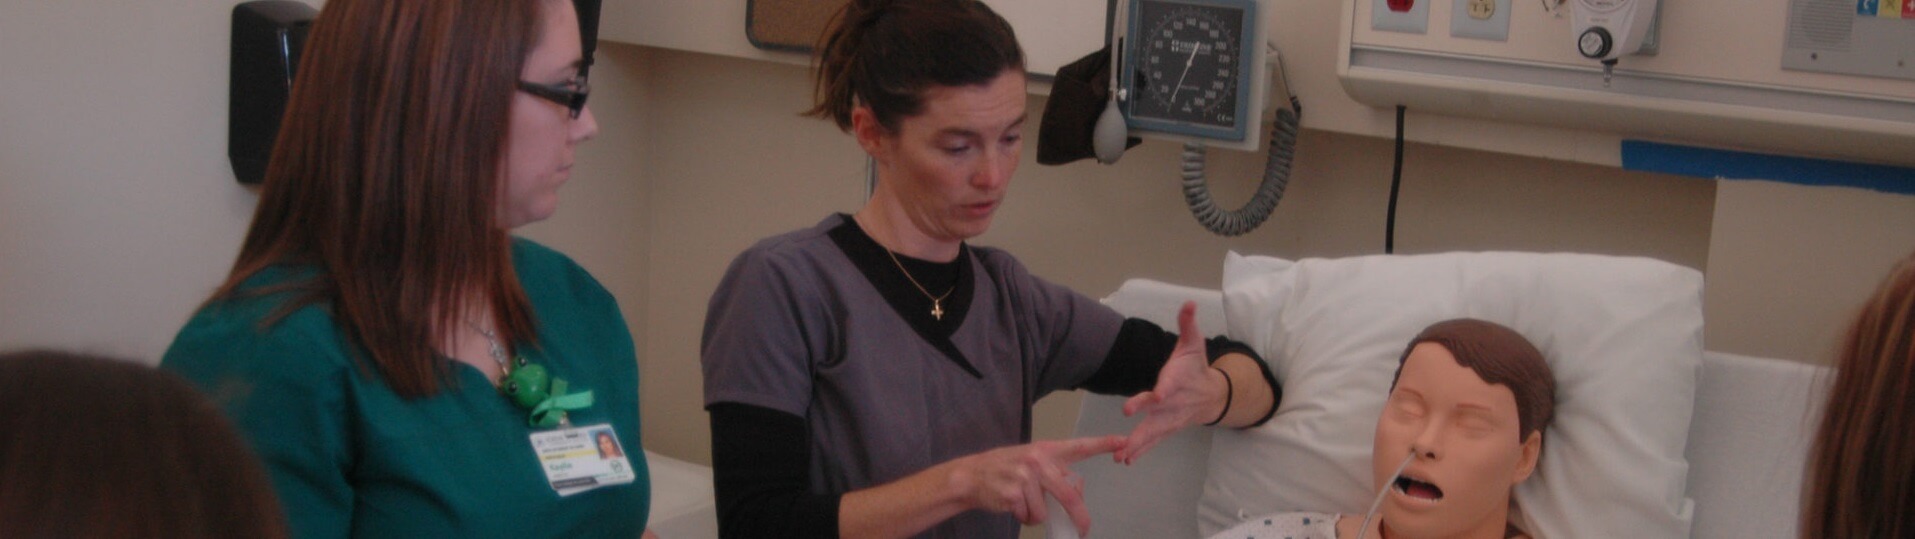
531,388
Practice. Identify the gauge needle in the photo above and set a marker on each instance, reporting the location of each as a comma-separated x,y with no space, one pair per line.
1194,47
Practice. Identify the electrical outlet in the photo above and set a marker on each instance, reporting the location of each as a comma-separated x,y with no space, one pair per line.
1482,9
1480,19
1410,16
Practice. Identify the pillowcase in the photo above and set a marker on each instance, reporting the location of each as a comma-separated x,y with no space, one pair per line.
1623,337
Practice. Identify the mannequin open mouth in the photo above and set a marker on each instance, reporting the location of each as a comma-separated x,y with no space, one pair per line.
1418,489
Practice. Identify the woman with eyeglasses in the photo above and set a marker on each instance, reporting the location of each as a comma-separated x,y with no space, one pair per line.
405,366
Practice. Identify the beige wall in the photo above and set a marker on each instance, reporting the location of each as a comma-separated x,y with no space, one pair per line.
1790,265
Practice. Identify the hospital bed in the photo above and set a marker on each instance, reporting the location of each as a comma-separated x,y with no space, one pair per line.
1743,453
682,505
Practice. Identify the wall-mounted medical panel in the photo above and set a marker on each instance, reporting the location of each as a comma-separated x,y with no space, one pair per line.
1861,37
1722,74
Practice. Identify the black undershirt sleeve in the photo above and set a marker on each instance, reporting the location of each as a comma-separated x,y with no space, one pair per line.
761,468
1143,347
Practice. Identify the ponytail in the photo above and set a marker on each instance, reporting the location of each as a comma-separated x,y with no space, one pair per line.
884,54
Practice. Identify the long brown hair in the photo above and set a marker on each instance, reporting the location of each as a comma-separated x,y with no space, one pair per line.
1500,356
1861,471
386,177
96,447
884,54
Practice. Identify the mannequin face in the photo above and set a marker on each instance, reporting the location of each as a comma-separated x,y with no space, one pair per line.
946,170
1465,435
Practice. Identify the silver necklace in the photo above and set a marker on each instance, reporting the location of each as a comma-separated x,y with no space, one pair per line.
497,351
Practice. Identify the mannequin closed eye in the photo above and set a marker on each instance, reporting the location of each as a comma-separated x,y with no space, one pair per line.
1476,423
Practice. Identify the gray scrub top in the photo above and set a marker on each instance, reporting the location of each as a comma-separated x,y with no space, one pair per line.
796,327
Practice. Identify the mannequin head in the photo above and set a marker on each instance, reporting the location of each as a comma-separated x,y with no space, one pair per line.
1470,400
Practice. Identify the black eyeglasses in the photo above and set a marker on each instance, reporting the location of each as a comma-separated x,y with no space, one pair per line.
571,94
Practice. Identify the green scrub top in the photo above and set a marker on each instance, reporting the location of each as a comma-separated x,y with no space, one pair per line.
348,457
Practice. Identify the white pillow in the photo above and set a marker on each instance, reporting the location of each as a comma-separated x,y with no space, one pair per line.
1622,335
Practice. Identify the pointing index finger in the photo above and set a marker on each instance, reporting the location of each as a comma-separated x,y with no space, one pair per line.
1076,449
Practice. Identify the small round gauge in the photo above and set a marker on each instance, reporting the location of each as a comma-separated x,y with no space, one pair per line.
1187,62
1594,43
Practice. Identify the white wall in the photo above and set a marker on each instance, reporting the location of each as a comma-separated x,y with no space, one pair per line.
118,210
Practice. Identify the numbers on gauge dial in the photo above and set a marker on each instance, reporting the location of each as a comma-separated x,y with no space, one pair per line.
1190,66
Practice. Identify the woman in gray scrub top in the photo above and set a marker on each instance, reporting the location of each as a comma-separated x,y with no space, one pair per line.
873,375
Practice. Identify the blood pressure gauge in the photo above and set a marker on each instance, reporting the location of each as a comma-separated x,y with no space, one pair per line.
1193,68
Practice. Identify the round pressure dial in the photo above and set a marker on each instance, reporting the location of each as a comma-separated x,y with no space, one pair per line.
1188,63
1594,43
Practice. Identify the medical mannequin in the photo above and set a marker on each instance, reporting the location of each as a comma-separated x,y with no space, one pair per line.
1462,426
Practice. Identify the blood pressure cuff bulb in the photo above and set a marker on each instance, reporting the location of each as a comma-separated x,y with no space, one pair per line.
1078,96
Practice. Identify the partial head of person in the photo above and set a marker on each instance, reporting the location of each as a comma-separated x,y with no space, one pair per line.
934,91
1861,470
1470,401
97,448
416,135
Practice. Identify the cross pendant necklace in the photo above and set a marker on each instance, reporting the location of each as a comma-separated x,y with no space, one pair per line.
937,301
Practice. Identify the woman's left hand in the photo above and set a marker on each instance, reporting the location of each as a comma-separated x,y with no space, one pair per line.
1187,392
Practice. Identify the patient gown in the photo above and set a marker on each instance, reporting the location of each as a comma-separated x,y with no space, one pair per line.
1284,526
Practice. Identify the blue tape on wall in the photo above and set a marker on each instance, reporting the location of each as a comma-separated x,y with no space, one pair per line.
1734,165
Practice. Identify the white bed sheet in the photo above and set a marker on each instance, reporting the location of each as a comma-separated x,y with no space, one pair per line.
1749,443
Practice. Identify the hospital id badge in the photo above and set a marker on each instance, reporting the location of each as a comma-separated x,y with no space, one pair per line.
582,458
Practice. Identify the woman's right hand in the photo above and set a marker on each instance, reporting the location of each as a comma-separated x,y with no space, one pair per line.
1014,479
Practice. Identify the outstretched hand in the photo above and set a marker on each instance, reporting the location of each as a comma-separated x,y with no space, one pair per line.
1187,393
1015,479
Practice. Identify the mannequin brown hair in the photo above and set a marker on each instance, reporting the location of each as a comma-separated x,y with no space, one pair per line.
1500,356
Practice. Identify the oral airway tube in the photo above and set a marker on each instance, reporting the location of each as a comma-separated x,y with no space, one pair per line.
1385,491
